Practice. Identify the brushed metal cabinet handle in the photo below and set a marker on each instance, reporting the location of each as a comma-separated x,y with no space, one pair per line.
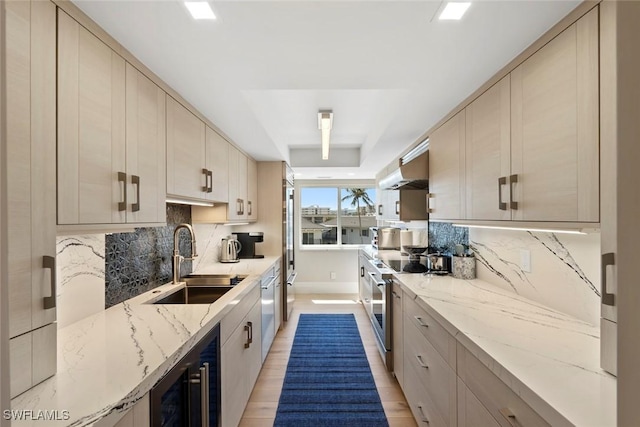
205,188
397,207
210,176
420,322
135,180
423,417
49,262
122,178
510,417
429,197
250,332
395,294
512,180
238,206
608,259
501,181
361,271
248,343
421,362
250,207
379,209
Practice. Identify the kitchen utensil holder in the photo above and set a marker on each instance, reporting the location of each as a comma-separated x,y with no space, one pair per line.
464,267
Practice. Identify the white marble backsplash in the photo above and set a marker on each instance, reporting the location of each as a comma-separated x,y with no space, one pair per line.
208,242
80,277
565,268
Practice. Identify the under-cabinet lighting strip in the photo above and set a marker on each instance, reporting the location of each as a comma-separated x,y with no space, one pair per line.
541,230
188,202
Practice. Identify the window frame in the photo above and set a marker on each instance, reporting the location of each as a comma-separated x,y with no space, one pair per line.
339,186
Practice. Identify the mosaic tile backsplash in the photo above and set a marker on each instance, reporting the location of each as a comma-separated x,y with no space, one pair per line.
139,261
445,236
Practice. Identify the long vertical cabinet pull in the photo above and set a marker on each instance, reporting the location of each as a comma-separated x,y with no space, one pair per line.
379,210
361,271
501,181
49,262
205,187
250,208
239,206
397,207
250,332
248,343
423,417
122,177
204,394
607,260
512,180
210,176
135,180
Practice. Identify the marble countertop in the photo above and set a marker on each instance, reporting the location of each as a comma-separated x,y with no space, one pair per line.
550,359
108,361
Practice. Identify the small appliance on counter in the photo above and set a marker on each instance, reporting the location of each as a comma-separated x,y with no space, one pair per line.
385,238
229,250
248,244
439,263
415,254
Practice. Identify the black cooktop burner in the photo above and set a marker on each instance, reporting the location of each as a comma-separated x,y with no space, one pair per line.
414,267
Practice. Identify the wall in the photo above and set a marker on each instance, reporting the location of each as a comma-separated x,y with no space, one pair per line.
314,268
208,242
565,268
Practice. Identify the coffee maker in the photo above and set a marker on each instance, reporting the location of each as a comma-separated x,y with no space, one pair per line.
248,242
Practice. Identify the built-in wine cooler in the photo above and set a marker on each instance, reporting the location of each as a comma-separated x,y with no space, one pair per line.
189,394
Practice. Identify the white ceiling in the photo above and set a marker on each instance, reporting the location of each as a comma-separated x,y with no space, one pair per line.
389,70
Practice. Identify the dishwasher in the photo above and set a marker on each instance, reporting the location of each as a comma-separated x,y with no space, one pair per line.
267,294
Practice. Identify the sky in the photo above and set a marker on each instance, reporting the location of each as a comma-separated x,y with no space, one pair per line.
326,197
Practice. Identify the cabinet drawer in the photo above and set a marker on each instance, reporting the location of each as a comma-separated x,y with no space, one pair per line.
231,321
501,402
432,330
431,370
471,413
422,407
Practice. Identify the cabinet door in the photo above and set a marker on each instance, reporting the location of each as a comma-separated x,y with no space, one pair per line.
447,169
237,184
218,165
186,163
146,149
488,154
398,331
252,189
392,205
555,126
91,128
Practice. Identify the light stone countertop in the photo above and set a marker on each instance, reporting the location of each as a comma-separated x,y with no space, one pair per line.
108,361
550,359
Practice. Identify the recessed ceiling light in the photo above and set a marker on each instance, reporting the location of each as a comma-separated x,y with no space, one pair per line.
200,9
454,10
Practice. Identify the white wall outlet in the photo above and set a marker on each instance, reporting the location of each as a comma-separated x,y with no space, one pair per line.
332,275
525,260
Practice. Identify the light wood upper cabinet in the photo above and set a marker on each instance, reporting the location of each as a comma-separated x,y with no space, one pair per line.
488,153
218,165
146,149
237,209
447,169
555,127
252,190
31,190
186,153
91,128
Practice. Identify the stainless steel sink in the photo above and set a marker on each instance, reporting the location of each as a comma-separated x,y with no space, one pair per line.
195,295
202,289
213,279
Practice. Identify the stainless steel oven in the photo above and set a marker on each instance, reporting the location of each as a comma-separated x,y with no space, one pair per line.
379,305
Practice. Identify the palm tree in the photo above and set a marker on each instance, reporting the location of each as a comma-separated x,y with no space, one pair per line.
357,196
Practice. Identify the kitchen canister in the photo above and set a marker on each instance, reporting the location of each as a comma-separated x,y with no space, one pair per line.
464,267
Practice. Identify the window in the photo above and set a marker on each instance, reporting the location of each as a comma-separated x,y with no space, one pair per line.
336,215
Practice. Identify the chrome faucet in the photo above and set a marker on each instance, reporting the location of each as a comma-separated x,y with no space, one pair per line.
177,258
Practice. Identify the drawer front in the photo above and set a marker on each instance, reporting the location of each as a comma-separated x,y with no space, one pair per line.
231,321
431,330
422,407
501,402
432,371
471,413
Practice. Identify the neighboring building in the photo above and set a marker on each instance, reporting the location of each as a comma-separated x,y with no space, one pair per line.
354,231
312,232
317,214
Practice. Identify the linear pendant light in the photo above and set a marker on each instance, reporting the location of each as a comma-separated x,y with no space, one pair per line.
325,122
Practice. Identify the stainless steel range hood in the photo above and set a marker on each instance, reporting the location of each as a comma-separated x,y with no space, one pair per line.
413,172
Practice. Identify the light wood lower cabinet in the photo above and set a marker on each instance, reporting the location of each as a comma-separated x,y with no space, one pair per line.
241,362
398,333
31,190
471,413
427,367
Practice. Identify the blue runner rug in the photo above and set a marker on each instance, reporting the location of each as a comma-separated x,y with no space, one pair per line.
328,380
